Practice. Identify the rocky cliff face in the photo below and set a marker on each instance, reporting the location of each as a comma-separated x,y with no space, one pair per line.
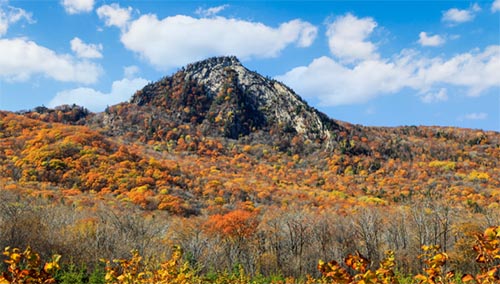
274,101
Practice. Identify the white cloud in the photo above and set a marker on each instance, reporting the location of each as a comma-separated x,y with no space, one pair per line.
371,110
495,7
178,40
11,15
347,38
439,96
21,58
426,40
114,15
335,83
457,16
210,12
97,101
474,70
476,116
77,6
84,50
476,8
130,71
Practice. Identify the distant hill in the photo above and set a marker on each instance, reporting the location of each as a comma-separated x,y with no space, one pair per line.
216,108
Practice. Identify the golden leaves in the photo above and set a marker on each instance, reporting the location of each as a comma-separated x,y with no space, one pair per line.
24,267
135,270
334,272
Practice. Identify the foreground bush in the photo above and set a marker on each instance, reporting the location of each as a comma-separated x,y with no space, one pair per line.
135,270
26,267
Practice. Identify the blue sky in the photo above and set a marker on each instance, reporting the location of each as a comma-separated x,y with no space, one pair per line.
384,63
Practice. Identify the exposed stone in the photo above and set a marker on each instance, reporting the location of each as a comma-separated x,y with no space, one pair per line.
278,103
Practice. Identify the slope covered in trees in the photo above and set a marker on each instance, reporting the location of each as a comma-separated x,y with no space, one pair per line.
238,170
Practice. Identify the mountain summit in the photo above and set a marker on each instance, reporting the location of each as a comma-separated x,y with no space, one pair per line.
219,97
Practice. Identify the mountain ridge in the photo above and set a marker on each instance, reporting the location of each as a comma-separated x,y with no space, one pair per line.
219,97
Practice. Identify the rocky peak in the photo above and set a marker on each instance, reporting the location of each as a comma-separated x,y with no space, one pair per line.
213,72
278,103
222,97
214,63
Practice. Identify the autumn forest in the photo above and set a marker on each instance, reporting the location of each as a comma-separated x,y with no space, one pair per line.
232,178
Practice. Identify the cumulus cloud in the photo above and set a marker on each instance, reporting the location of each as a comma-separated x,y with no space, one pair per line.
433,97
95,100
84,50
178,40
130,71
77,6
426,40
347,38
457,16
114,15
476,116
210,12
475,70
495,7
334,82
11,15
21,58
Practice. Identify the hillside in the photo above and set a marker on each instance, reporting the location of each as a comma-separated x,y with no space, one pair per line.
215,141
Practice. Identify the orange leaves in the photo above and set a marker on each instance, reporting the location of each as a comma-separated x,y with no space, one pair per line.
74,157
467,278
357,262
488,245
487,248
67,156
237,224
140,194
435,262
334,272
